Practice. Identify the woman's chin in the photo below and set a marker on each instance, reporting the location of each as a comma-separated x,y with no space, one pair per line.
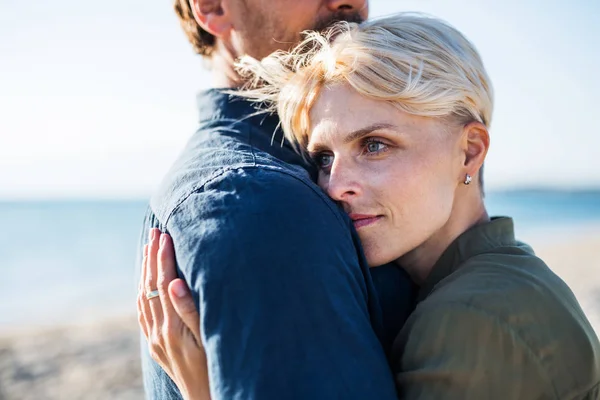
380,253
376,259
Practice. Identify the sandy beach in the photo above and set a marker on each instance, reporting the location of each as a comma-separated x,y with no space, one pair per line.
576,259
94,361
101,360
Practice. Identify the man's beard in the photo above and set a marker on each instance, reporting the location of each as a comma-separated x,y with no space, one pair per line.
323,25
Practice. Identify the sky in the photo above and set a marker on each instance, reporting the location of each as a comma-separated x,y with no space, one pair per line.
98,98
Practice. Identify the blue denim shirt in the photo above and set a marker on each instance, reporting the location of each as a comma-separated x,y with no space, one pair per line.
287,304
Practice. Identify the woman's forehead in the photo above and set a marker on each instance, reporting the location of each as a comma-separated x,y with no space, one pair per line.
341,107
331,129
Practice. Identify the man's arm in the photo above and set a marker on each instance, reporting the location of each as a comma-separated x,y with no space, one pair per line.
285,304
456,351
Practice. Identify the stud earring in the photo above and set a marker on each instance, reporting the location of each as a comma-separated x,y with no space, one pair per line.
467,179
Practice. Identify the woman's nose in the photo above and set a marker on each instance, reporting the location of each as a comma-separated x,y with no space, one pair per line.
341,184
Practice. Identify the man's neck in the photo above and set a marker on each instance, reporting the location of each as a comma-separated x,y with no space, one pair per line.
223,68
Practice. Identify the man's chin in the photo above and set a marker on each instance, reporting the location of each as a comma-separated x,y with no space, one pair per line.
324,24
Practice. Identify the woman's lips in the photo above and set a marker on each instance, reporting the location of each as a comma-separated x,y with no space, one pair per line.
362,220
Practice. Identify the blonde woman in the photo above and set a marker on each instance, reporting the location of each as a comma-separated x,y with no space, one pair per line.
396,114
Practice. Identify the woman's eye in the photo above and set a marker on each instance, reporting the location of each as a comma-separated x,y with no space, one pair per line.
323,160
375,147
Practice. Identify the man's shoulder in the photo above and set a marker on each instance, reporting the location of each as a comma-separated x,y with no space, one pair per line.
221,158
267,218
245,198
273,189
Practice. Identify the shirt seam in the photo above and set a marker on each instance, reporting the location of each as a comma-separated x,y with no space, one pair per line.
250,137
508,329
589,391
214,177
458,267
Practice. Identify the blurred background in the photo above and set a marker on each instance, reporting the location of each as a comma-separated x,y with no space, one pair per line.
97,99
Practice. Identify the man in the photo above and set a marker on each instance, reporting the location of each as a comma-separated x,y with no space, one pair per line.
274,267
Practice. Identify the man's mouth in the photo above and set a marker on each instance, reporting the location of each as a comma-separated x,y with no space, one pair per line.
324,24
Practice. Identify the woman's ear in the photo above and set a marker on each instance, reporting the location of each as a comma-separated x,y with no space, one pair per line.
212,16
475,144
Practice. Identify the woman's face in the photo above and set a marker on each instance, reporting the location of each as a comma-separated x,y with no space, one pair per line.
395,174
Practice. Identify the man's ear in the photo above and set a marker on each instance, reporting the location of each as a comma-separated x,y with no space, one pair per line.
212,16
475,143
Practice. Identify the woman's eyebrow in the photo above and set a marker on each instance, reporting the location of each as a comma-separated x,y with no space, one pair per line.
360,133
316,148
352,136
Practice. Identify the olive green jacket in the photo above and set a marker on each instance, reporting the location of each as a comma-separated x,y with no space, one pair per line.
494,322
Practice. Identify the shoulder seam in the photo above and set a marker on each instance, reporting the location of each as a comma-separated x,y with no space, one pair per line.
508,329
588,391
221,172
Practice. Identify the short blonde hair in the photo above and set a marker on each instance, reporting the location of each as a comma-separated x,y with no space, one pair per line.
420,64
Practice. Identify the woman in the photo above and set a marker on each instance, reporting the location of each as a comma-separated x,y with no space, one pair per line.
395,112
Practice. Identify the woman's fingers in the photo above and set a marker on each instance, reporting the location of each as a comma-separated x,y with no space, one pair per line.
166,271
143,311
183,303
170,320
151,281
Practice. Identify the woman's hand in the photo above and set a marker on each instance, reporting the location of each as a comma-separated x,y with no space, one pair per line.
170,321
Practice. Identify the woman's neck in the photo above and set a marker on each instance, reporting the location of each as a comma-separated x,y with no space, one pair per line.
420,261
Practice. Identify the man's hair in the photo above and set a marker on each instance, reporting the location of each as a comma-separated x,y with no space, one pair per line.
420,64
202,41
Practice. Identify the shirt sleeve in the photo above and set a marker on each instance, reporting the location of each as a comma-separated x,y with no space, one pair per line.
287,308
456,351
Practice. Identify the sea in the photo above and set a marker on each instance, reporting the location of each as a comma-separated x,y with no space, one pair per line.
65,262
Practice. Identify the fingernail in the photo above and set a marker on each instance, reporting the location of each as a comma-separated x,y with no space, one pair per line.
179,290
151,234
163,239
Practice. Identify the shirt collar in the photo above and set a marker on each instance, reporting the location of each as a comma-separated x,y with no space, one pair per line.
480,239
217,104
